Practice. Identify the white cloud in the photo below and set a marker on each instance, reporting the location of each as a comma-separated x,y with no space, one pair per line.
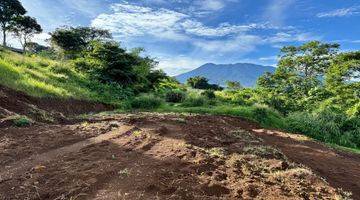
244,43
129,20
211,5
176,65
88,7
241,43
276,11
269,58
283,37
340,12
224,29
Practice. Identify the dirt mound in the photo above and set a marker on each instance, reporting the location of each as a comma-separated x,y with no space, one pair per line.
164,157
42,109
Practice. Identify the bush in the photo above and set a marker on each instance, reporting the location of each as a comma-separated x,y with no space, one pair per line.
195,101
328,125
175,96
146,102
22,121
210,94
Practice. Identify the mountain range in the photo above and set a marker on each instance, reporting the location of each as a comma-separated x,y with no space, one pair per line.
245,73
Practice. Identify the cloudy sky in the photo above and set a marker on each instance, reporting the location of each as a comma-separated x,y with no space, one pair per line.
184,34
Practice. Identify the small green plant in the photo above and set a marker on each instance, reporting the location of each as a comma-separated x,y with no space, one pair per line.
137,133
216,152
146,102
22,121
175,96
124,172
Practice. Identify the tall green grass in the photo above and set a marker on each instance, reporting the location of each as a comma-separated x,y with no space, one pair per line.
266,117
328,126
41,77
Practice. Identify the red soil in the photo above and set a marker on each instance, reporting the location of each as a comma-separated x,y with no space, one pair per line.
156,156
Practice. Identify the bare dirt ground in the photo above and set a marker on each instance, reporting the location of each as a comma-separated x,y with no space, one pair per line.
47,110
169,156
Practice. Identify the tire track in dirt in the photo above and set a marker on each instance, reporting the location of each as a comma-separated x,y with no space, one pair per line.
13,169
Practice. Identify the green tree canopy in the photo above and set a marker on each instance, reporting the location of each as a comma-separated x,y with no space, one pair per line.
24,27
109,63
74,40
199,82
310,59
9,10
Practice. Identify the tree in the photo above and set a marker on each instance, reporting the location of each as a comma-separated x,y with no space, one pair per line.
24,27
344,70
109,63
200,82
233,85
310,59
74,40
343,80
9,10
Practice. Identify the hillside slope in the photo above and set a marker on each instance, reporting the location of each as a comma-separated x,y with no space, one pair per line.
246,73
41,77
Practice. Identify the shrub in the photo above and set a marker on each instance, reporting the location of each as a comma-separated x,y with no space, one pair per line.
326,125
146,102
195,101
266,116
175,96
22,121
210,94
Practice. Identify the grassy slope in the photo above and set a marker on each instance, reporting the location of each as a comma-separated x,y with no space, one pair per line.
41,77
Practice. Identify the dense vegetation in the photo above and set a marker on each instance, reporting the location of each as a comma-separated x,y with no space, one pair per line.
314,91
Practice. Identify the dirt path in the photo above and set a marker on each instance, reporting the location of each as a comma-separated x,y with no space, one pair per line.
166,156
35,160
340,169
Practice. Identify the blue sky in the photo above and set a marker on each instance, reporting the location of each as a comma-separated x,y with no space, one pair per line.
184,34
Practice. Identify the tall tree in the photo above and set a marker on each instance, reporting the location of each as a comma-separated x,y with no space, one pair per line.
73,40
24,27
310,59
9,10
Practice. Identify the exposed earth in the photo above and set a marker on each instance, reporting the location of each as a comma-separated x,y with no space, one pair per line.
168,156
163,156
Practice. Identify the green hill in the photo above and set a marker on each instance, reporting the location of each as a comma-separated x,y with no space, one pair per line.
42,77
